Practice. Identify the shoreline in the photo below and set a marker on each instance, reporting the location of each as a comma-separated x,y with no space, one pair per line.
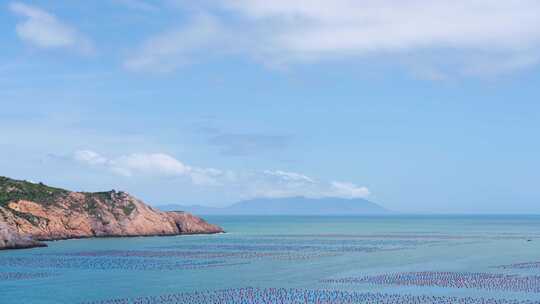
42,243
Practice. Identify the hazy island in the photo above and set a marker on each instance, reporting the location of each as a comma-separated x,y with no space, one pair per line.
33,212
289,206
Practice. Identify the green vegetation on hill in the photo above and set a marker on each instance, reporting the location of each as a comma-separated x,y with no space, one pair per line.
12,190
91,205
129,208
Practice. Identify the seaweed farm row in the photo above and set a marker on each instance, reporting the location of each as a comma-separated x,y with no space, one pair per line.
16,276
487,281
319,241
202,255
108,263
412,236
237,247
527,265
301,296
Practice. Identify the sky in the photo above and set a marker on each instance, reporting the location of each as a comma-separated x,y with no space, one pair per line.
420,106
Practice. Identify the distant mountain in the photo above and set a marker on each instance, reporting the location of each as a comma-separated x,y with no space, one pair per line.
288,206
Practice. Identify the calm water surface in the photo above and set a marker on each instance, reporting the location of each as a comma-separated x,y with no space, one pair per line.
449,256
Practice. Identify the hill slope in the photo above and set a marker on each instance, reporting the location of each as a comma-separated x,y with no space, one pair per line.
32,212
289,206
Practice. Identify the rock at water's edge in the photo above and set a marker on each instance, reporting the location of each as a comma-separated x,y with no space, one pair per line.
30,213
10,239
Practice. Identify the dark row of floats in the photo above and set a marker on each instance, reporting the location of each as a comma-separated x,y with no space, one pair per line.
301,296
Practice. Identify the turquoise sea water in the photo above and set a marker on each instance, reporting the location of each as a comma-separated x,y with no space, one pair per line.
393,259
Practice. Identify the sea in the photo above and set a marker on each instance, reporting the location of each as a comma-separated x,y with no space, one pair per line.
412,259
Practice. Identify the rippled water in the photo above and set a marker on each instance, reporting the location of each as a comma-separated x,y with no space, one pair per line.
392,259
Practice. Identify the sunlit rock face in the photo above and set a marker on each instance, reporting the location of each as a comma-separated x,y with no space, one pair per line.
31,212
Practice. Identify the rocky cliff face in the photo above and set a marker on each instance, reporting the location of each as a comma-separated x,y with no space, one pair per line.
30,213
11,239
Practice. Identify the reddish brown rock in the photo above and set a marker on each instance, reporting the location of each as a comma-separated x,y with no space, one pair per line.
30,213
10,239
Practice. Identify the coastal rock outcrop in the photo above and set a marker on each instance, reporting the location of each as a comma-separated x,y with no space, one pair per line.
10,239
30,213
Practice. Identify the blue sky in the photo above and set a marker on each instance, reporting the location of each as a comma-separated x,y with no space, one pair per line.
424,106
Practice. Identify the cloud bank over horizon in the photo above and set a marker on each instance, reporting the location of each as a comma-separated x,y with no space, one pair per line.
267,183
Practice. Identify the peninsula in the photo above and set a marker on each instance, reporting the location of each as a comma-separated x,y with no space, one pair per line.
33,212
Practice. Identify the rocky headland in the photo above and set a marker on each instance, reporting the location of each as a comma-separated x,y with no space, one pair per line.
33,212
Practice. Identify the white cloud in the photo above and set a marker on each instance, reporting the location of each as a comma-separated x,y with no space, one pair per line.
348,190
151,164
289,176
287,184
90,157
365,26
476,33
268,183
43,30
138,5
169,50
